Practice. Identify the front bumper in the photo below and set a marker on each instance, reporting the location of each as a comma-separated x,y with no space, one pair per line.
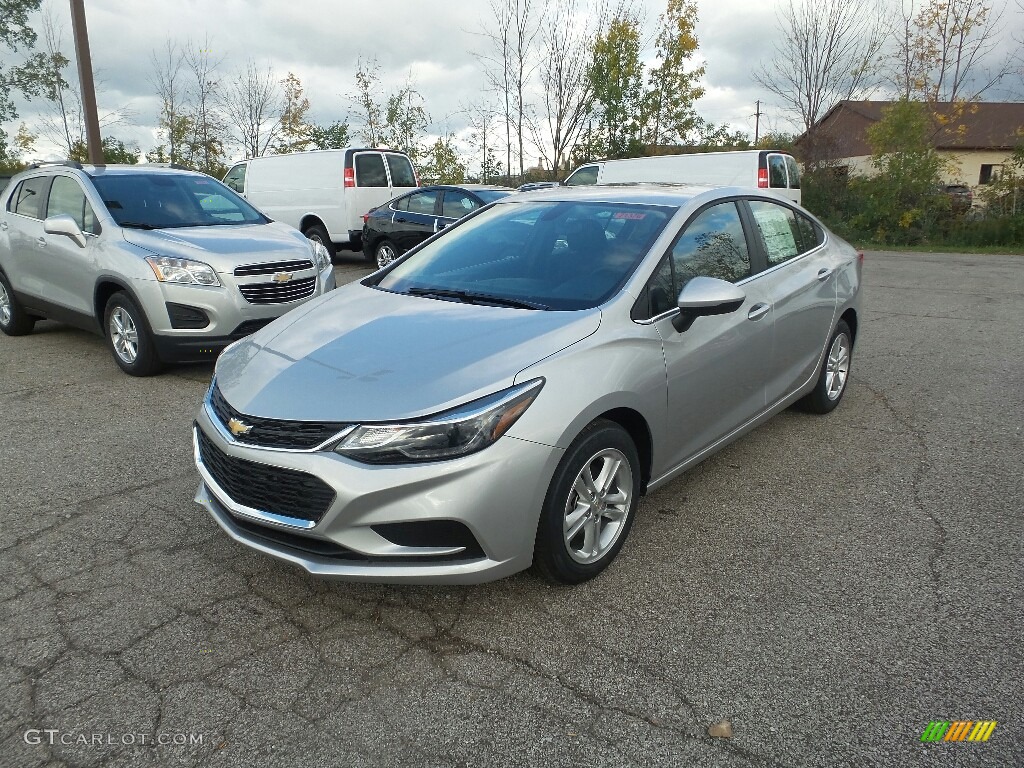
497,494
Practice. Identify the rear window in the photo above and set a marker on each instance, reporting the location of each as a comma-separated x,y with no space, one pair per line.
370,170
794,172
167,201
401,171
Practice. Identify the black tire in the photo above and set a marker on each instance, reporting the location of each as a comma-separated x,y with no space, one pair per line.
384,252
823,398
13,320
551,555
318,232
145,361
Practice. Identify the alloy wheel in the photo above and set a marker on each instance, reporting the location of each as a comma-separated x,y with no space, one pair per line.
838,366
595,512
124,335
385,255
5,306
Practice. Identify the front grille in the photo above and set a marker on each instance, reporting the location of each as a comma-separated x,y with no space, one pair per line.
275,433
269,269
270,489
278,293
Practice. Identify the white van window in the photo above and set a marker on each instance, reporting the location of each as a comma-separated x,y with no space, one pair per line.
794,172
583,176
370,170
401,171
777,171
235,178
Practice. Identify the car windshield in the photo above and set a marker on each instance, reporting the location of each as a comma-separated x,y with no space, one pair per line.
166,200
543,255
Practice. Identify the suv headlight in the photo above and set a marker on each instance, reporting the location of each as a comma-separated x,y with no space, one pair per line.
320,255
458,432
171,270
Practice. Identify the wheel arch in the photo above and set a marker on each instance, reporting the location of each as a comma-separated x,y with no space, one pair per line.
640,433
850,316
311,220
106,287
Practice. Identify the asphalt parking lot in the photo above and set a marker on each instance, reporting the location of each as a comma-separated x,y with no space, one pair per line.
827,585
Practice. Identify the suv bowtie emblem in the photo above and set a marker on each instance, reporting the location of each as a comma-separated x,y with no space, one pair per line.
282,277
239,427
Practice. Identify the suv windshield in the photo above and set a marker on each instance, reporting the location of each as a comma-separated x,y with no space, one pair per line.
544,255
170,200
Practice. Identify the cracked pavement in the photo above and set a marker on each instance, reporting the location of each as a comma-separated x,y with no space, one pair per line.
828,585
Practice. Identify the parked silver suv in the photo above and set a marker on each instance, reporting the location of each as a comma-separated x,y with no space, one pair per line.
169,265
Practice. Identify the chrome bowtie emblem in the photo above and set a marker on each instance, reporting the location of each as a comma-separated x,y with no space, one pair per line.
282,277
239,427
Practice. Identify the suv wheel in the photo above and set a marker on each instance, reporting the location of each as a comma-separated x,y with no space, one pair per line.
385,253
129,337
13,320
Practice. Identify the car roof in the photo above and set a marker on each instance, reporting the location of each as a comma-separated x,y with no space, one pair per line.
470,187
644,194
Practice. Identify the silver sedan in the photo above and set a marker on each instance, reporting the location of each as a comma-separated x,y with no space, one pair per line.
504,394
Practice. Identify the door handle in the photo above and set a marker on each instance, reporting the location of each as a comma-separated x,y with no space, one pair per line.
758,311
400,220
3,226
824,273
41,242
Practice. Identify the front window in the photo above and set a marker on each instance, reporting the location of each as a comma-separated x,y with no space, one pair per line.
544,255
712,245
67,197
168,201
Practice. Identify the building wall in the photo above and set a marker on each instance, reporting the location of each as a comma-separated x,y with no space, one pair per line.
962,167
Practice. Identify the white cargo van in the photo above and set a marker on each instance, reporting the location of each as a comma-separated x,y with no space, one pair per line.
758,168
324,193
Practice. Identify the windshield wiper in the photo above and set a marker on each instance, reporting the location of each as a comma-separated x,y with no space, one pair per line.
136,225
470,297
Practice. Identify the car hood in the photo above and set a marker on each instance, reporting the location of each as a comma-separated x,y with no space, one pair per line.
225,247
363,354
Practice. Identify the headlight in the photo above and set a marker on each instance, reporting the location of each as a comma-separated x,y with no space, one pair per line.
459,432
170,270
320,255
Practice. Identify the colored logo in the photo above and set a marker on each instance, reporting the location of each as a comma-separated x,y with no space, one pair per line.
238,427
282,277
959,730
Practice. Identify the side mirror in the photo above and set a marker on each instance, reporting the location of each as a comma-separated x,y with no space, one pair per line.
63,224
703,296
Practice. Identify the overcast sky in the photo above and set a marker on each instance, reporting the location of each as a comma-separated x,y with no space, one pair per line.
434,40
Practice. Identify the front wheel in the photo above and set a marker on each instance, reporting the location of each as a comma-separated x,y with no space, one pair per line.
590,504
129,338
318,234
835,372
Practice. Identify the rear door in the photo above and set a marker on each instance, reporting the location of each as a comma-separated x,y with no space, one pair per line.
24,221
371,187
417,219
800,278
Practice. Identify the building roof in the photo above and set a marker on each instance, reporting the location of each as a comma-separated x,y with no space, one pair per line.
984,125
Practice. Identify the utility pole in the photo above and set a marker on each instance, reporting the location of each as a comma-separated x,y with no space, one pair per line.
92,123
757,123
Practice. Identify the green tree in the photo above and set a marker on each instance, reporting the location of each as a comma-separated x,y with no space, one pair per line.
15,34
295,131
616,78
115,151
333,136
442,163
406,120
371,114
673,85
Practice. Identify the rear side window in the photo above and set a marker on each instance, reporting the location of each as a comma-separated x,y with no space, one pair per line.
423,202
28,197
794,172
584,176
235,178
401,171
67,197
401,204
777,171
370,170
780,231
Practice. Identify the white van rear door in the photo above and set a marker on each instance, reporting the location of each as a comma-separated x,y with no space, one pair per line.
778,178
372,188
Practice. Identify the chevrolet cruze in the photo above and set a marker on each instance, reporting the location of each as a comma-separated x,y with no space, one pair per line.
169,265
504,394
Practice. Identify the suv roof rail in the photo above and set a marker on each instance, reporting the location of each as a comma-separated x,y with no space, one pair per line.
175,166
68,163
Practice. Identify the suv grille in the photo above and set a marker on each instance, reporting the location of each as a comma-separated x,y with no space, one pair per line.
278,293
269,269
275,433
269,489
